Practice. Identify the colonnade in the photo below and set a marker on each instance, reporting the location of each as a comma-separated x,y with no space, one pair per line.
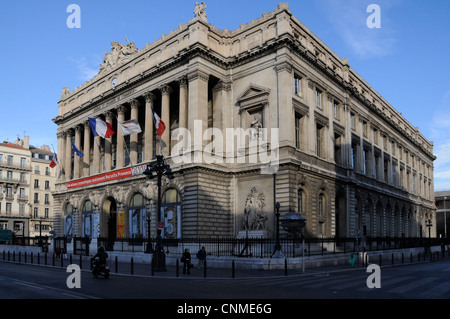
192,105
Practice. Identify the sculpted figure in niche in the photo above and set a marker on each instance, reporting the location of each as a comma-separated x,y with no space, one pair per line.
255,127
254,217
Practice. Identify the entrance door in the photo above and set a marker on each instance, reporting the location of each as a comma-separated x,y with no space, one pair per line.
110,219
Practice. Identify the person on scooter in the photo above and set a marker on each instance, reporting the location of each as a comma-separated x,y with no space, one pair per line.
102,256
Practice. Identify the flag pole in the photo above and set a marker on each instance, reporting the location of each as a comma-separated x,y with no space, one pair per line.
124,142
56,161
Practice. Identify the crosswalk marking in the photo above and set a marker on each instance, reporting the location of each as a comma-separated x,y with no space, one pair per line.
414,284
389,282
438,290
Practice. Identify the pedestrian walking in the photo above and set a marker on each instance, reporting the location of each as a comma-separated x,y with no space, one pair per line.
186,260
201,255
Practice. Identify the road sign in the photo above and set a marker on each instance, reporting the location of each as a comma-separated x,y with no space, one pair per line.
5,235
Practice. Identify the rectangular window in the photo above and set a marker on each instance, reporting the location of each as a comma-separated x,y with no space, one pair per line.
36,198
298,130
354,155
36,212
46,213
386,171
318,98
353,120
366,160
336,110
319,140
337,149
297,84
377,166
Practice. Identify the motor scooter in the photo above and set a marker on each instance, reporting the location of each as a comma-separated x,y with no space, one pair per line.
99,269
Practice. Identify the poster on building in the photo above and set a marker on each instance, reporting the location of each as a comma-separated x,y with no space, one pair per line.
68,230
137,222
95,225
87,225
171,223
121,224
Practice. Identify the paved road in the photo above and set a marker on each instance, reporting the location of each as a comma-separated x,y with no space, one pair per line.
428,280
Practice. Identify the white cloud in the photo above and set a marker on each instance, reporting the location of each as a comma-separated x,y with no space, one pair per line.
85,70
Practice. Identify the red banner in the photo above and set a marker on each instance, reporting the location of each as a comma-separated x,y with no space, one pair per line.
106,177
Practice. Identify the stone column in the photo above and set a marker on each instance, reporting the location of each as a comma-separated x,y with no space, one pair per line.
77,159
134,137
68,159
285,109
183,112
61,154
198,108
165,117
120,158
108,144
87,149
96,160
148,138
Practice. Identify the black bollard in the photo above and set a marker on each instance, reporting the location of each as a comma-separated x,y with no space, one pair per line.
233,274
81,262
285,267
70,259
39,259
116,265
132,266
31,257
177,268
204,269
20,259
53,260
14,256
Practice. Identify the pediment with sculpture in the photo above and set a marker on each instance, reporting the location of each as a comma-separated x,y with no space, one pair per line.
119,54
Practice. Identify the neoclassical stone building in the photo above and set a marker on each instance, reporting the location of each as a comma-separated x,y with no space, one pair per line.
345,158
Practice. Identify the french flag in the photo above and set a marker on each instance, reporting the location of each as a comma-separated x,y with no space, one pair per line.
159,124
101,128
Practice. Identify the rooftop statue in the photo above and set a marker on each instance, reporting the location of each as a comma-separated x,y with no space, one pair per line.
199,10
119,54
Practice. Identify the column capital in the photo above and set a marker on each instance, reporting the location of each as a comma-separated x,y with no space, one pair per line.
149,96
108,115
198,74
68,132
78,128
121,109
134,103
183,81
86,124
165,89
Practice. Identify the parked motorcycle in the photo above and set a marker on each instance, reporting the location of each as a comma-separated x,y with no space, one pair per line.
99,269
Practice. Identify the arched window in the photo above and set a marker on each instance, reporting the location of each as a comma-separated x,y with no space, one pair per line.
171,213
300,195
137,217
68,220
87,219
320,209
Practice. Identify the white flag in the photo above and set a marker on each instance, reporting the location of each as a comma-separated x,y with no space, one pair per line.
130,127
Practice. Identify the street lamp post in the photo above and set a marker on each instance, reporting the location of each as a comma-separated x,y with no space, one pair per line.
429,225
277,242
160,168
445,218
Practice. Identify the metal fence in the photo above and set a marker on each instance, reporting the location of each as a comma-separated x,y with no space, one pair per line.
266,247
237,247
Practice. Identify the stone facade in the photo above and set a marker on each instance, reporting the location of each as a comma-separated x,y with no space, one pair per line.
345,158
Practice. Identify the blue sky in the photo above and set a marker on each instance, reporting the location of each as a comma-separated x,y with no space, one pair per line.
407,60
